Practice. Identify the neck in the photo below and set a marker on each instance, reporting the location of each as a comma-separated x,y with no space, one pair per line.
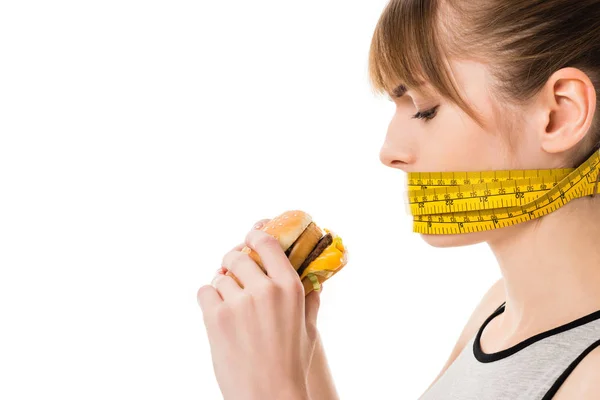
551,267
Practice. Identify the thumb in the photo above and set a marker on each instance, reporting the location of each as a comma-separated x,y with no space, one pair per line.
312,304
261,223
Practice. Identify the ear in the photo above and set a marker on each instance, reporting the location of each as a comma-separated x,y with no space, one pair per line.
569,102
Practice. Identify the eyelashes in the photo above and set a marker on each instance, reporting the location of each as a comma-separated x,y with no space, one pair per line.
427,114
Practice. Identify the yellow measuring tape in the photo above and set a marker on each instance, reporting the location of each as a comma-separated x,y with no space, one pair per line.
463,202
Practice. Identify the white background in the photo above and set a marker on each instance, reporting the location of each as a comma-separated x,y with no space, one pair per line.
141,140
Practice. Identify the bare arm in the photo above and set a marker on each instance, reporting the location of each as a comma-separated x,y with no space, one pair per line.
320,381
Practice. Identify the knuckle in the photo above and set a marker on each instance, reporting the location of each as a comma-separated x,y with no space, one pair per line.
222,315
249,236
218,281
232,258
200,295
294,286
257,239
311,330
242,302
266,240
237,260
261,223
202,290
239,246
267,291
226,258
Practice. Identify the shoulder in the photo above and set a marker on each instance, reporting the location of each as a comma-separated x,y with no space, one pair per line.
490,301
583,382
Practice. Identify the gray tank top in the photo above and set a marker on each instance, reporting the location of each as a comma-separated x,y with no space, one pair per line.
531,370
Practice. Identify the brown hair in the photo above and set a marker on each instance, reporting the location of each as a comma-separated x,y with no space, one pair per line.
522,42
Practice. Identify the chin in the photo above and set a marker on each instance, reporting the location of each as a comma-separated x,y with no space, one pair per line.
466,239
456,240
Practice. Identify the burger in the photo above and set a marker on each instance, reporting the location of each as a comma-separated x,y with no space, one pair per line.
316,254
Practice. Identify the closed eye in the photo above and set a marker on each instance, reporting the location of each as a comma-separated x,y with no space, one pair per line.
427,114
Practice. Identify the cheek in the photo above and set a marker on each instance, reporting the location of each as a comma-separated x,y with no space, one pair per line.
459,144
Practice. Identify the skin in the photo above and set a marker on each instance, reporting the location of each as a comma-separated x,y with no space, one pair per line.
263,334
319,381
542,134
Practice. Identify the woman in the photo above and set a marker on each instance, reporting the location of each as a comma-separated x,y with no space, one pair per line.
494,85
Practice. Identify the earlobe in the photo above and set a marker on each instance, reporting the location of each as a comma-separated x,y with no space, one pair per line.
570,106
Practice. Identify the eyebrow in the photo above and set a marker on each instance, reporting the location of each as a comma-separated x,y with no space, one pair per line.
399,91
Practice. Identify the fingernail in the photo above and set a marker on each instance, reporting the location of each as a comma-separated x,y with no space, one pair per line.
258,225
215,279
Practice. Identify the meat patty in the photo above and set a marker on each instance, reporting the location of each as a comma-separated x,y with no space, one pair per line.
316,252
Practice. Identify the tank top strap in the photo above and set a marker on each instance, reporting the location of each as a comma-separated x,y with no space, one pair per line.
533,369
563,377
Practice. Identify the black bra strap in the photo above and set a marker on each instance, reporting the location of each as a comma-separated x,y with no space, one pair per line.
501,305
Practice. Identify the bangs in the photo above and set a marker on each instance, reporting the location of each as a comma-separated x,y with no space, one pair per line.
407,49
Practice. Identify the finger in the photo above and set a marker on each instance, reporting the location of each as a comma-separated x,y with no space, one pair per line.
261,223
226,287
208,298
311,309
258,225
313,303
224,271
271,255
239,247
235,278
243,268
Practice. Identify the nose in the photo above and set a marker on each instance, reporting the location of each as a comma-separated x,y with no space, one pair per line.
395,155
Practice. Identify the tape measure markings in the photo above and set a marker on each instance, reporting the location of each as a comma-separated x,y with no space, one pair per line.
497,199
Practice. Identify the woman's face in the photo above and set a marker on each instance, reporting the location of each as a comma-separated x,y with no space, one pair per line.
452,141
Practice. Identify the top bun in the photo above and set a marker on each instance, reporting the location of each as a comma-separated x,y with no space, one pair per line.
286,228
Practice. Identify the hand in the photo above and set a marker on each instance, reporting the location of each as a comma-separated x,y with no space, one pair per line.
240,246
262,336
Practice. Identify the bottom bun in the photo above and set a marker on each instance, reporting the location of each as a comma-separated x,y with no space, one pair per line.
308,284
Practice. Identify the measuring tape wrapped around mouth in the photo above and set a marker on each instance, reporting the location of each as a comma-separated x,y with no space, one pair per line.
464,202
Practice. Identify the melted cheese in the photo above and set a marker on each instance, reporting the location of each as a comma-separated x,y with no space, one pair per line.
329,261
